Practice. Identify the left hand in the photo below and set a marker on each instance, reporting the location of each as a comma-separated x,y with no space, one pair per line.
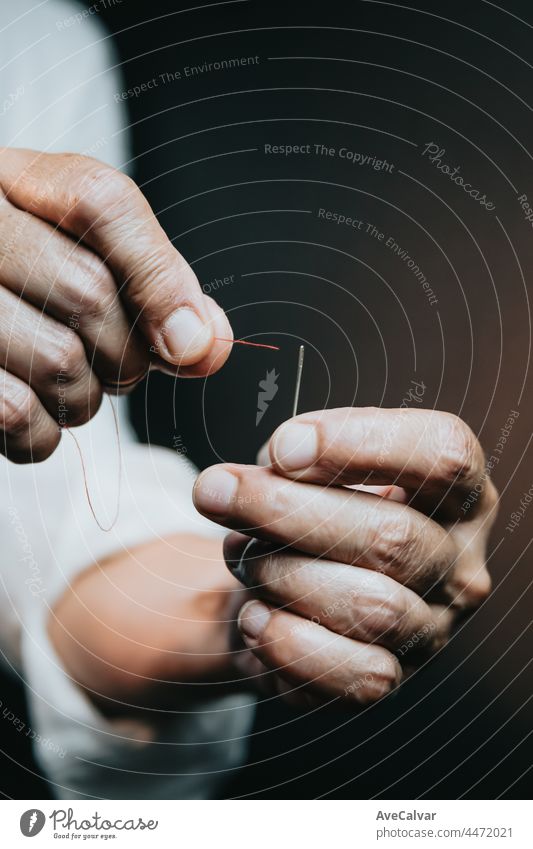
350,585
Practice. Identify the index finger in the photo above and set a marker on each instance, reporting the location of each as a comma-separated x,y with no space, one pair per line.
108,211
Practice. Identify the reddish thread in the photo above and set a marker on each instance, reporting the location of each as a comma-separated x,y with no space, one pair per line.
251,344
85,483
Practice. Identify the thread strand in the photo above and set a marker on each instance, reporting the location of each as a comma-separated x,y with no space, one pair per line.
84,471
251,344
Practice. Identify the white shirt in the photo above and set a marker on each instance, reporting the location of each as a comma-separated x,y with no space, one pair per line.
57,83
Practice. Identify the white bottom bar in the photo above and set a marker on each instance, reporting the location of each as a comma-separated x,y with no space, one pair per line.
272,824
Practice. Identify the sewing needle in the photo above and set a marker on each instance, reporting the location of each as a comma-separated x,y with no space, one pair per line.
299,370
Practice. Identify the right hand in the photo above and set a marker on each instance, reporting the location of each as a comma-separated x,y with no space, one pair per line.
354,589
92,294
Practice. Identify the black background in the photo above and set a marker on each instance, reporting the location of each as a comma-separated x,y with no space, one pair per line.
390,80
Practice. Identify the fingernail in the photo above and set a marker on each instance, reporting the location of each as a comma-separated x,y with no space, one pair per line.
215,491
186,337
295,446
252,621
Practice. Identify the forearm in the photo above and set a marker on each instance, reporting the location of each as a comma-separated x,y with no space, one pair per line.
134,629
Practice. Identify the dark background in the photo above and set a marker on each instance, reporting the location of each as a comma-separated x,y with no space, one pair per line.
382,80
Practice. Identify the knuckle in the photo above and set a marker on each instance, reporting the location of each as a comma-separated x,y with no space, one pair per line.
462,457
64,359
394,543
46,174
387,622
95,293
98,298
100,191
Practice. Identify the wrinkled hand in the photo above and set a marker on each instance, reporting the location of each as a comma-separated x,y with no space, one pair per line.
92,293
353,587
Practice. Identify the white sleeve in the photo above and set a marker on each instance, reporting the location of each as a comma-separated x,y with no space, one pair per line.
59,83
